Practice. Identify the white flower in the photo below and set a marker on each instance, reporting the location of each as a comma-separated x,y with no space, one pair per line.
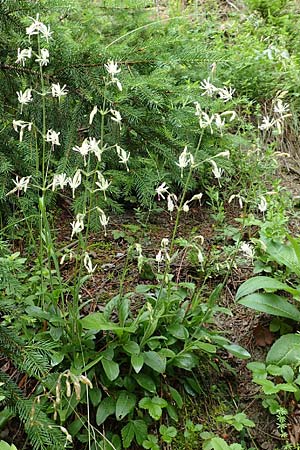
39,27
112,67
161,190
21,184
60,180
24,97
124,157
53,137
232,115
226,94
206,121
185,159
159,257
208,87
239,198
267,123
22,125
23,55
263,205
58,91
103,219
84,150
247,249
94,148
43,58
93,113
220,124
116,116
185,207
171,199
216,170
45,31
102,183
75,182
78,224
88,264
281,108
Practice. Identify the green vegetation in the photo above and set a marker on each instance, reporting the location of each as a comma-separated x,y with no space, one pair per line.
142,148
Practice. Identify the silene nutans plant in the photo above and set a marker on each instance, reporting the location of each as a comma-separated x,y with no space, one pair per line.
113,374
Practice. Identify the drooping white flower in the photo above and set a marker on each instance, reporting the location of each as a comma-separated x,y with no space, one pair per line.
24,97
60,180
78,224
75,182
112,67
84,150
58,91
39,27
220,124
53,137
94,148
263,205
22,125
206,121
208,88
171,202
93,113
103,219
185,207
247,249
161,190
23,55
88,264
281,108
185,159
43,58
239,198
267,123
21,184
226,94
123,155
116,117
217,171
102,183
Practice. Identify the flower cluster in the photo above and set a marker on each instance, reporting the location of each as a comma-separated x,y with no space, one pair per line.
280,113
217,119
209,89
113,69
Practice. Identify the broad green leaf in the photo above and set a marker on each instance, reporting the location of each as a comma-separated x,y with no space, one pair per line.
216,443
185,361
132,348
123,310
237,350
171,410
287,373
271,304
125,404
97,322
95,396
205,346
256,283
106,408
179,331
284,255
127,433
176,396
137,362
153,406
111,369
140,430
167,433
155,361
285,351
146,382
